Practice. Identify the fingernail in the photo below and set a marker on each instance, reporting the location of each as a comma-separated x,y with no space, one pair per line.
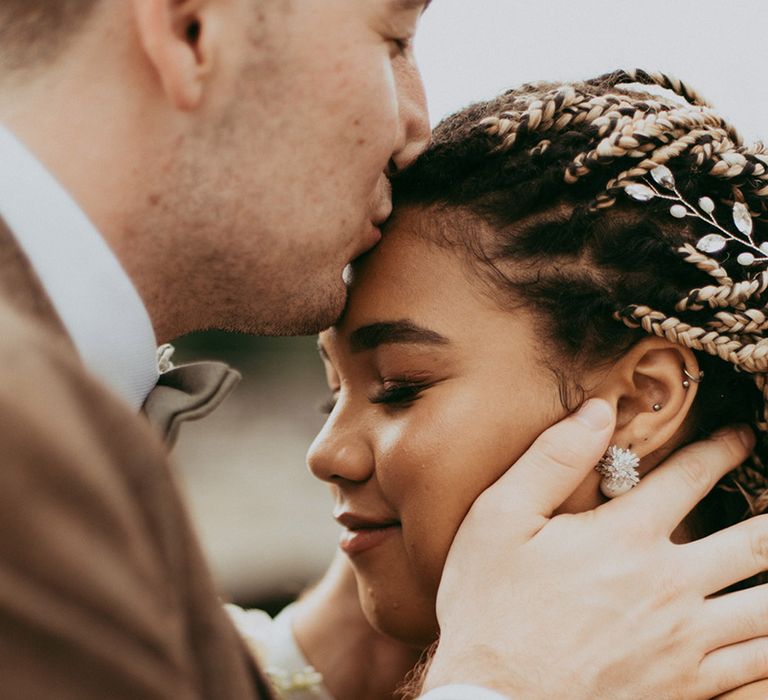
595,414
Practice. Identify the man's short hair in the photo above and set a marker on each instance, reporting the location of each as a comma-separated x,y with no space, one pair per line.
33,32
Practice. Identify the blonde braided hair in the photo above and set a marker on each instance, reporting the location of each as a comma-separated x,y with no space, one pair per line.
655,134
603,136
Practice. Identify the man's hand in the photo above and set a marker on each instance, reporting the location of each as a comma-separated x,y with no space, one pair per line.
602,604
753,691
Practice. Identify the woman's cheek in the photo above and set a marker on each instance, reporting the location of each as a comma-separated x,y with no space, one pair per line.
437,473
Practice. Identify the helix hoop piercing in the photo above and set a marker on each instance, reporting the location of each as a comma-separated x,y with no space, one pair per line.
691,378
618,468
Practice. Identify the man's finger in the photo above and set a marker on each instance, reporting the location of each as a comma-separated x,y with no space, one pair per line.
733,666
735,617
674,488
741,551
559,460
753,691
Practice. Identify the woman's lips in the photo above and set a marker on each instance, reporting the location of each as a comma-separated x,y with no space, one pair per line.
354,542
361,534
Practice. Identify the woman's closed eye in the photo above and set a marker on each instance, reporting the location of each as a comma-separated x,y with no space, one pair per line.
396,393
399,392
326,407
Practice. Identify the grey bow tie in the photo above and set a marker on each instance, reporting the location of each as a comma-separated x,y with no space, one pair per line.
187,392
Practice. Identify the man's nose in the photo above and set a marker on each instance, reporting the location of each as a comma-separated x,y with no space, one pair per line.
414,130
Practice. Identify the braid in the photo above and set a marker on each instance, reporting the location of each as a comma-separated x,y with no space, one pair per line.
642,77
677,86
736,345
762,387
549,167
727,294
750,321
705,264
641,130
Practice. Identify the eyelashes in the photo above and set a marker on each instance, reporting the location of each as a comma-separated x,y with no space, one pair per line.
327,406
402,46
398,393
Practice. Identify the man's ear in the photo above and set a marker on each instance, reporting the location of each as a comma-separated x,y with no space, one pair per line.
179,40
652,394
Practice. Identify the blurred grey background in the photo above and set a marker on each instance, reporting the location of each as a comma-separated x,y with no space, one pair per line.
264,521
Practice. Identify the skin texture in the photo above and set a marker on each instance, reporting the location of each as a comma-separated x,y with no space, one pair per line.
424,458
204,138
424,463
754,691
359,664
219,153
204,141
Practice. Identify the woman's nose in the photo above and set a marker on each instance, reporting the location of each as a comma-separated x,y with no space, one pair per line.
340,451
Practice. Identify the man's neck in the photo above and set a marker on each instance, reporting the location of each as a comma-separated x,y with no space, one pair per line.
93,297
94,138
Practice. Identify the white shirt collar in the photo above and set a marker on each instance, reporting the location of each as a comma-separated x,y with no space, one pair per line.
92,294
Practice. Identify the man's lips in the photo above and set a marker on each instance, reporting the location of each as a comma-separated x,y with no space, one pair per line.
378,217
368,240
383,208
362,533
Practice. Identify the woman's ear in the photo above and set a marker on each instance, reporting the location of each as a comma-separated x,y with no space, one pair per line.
179,40
653,387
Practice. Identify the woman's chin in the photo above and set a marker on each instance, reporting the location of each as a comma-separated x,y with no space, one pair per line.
405,623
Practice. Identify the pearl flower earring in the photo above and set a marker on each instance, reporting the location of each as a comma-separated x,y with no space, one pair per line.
619,470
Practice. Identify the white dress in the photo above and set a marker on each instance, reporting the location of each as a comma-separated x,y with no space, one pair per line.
274,646
293,678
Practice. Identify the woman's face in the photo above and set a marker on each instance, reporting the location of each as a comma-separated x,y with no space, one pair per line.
437,392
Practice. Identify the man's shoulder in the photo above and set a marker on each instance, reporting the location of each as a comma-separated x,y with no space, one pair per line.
98,555
29,343
42,379
65,436
58,421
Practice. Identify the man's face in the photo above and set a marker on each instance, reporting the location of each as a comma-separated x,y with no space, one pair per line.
322,98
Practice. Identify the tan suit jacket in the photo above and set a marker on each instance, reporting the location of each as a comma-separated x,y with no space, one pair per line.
104,593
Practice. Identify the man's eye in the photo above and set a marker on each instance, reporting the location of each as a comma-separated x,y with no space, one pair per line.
400,47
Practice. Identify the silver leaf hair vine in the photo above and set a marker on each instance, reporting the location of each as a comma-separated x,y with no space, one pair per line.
662,185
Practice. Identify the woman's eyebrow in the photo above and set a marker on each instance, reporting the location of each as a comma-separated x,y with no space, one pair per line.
375,334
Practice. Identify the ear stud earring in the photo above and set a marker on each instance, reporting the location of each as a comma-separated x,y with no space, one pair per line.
618,468
657,407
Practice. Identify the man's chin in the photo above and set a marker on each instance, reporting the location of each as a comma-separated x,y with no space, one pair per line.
312,316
